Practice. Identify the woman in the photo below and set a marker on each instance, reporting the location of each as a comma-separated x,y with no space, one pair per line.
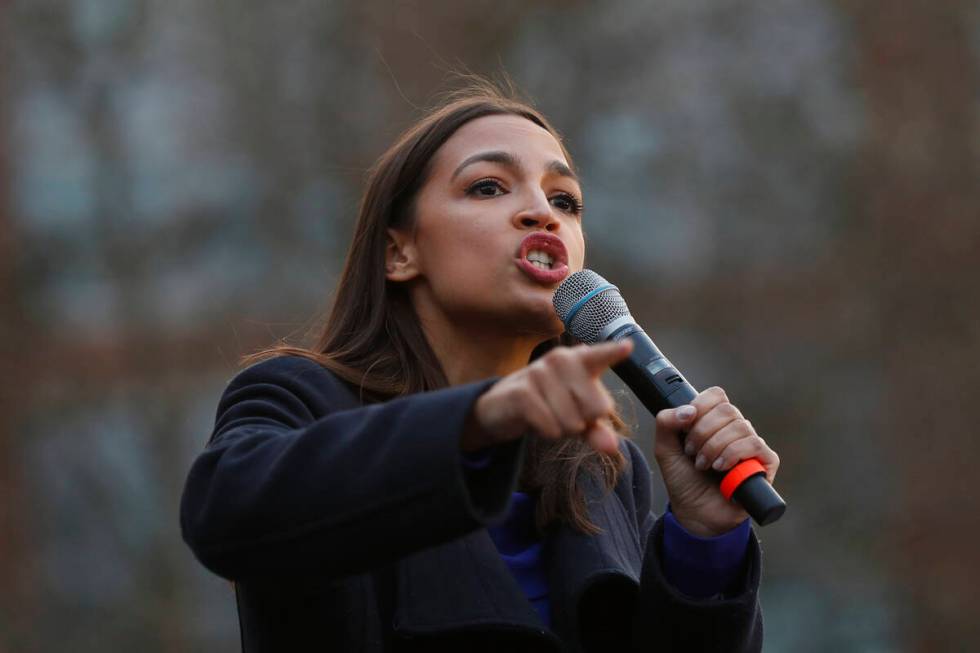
363,494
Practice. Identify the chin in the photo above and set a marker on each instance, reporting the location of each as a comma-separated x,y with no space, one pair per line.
541,320
531,310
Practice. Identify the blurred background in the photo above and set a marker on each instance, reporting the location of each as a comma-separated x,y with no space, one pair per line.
786,192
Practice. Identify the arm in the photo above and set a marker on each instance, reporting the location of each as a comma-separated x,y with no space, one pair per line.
279,491
703,567
665,619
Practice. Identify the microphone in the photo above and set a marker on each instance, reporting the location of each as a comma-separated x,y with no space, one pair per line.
593,311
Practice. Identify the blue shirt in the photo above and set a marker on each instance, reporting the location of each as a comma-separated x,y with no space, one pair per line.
519,545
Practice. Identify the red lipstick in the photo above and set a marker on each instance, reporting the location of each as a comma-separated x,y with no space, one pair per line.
550,245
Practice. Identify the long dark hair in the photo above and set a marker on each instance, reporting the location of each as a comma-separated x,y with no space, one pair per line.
372,338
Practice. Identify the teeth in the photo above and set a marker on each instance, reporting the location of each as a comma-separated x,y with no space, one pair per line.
540,259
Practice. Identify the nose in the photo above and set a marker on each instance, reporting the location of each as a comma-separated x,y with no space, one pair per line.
540,214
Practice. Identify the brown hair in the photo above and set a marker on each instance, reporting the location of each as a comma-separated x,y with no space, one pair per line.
372,338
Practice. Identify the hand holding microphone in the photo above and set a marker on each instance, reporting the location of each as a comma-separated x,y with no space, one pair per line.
694,465
708,452
593,311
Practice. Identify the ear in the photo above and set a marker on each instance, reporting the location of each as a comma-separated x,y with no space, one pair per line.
401,256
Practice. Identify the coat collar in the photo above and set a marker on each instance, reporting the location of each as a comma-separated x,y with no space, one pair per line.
464,584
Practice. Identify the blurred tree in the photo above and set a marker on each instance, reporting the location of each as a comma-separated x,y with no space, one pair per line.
17,600
920,190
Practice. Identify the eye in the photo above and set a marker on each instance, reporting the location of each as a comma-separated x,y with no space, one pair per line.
486,188
568,203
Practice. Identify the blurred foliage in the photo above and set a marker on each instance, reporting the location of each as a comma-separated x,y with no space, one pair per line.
785,191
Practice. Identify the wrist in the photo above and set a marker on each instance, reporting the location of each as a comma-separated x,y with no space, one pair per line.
474,437
695,525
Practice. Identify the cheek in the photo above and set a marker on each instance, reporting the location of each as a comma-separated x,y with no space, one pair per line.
576,253
460,252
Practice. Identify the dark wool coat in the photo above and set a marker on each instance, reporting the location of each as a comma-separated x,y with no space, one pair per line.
350,527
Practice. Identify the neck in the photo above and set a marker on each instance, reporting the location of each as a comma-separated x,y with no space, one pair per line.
470,352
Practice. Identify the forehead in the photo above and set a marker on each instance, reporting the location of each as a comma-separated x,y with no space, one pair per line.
514,134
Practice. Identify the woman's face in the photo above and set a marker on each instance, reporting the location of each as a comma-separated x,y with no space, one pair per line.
498,227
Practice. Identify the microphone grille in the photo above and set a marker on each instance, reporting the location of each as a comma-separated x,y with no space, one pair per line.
603,304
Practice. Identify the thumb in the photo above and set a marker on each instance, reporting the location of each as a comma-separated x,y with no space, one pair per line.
671,422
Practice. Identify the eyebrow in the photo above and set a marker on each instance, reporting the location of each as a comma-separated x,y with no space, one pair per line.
509,160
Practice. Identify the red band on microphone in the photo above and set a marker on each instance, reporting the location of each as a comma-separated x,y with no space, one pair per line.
739,473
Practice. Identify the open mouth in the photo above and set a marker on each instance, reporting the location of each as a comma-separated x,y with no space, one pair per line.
543,251
543,257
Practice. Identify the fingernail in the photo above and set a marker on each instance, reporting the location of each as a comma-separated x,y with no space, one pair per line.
700,463
685,412
718,463
689,448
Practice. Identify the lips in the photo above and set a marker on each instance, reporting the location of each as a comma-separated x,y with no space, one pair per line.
550,245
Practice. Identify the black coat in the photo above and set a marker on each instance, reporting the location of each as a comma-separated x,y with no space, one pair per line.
350,527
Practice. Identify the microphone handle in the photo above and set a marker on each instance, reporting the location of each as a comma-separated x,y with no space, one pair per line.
659,385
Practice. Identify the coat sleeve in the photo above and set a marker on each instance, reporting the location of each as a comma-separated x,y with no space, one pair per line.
280,493
667,620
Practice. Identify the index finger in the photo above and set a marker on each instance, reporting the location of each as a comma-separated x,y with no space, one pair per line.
597,358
